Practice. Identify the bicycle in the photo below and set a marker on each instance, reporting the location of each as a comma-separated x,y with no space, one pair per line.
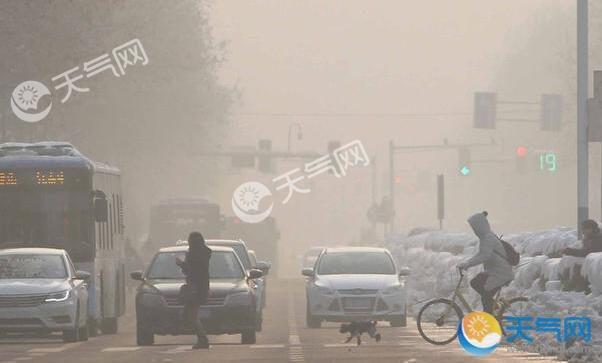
441,317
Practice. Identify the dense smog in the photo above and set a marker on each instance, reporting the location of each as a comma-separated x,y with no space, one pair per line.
300,181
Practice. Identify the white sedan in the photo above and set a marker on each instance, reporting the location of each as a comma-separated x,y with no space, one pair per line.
355,283
41,291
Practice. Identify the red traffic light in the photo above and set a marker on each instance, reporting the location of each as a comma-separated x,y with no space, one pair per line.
397,179
521,151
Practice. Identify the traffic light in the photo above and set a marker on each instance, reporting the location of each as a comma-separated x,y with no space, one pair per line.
551,112
265,161
485,110
332,146
464,162
548,161
521,159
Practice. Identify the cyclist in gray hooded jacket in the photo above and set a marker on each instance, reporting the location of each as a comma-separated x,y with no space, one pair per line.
497,271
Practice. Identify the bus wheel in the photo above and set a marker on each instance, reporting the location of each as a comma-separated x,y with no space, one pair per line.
109,326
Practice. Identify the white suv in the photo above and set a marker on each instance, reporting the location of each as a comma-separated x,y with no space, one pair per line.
355,283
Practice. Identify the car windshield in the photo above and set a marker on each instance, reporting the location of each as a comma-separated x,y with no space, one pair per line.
339,263
240,250
32,266
222,265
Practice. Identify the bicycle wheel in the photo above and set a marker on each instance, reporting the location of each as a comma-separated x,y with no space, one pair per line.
438,321
514,307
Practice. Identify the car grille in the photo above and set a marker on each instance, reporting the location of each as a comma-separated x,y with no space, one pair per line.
357,292
21,322
359,304
21,301
212,301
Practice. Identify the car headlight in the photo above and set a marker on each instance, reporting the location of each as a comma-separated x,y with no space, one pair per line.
149,289
58,296
323,289
240,299
392,290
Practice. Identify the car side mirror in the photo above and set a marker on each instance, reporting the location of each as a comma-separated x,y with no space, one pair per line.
263,266
405,271
136,275
101,207
308,272
255,274
82,275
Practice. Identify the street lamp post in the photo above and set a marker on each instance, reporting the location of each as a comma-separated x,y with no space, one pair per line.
582,124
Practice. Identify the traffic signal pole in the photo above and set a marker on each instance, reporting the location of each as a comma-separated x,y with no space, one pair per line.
393,148
392,182
582,124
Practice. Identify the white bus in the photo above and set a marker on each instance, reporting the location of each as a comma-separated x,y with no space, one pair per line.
53,196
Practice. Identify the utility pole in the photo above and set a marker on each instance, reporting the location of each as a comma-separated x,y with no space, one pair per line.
373,177
582,124
392,182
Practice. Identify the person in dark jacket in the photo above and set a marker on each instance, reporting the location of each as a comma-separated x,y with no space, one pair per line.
592,240
196,268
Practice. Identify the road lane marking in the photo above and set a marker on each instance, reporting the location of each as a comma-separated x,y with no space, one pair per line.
340,345
179,349
24,358
120,349
48,350
266,346
295,350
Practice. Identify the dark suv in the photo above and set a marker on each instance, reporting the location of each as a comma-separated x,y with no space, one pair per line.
230,308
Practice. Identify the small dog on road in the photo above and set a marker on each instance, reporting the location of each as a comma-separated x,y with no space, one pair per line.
357,328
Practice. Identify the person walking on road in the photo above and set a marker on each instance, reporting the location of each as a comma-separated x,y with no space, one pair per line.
195,267
492,254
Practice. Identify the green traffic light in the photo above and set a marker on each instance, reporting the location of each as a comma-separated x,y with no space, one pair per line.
465,170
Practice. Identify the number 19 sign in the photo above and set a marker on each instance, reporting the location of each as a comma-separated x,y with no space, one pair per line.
547,161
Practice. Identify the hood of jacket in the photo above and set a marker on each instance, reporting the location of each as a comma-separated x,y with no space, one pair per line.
480,225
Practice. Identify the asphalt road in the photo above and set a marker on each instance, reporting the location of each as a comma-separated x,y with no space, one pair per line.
284,339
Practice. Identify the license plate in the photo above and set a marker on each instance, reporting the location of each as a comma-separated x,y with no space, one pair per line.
358,303
204,313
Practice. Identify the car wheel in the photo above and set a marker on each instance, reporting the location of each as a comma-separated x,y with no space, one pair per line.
259,323
248,337
92,327
400,321
72,335
109,326
143,335
312,322
83,334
